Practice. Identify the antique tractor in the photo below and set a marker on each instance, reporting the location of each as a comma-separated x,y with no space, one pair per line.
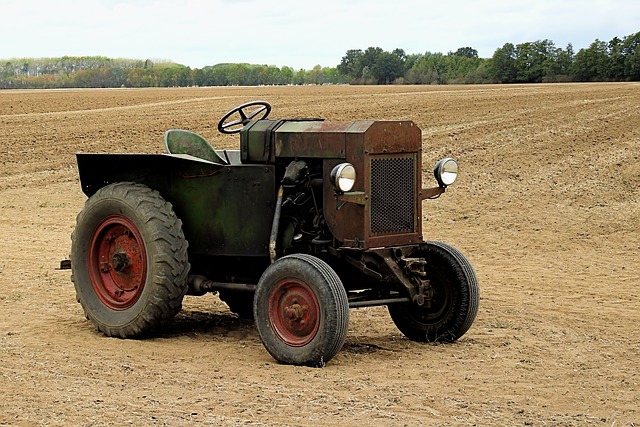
307,219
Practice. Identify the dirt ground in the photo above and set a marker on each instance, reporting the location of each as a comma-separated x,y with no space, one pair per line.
547,209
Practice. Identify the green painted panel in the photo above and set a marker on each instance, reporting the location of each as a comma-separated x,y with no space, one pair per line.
229,212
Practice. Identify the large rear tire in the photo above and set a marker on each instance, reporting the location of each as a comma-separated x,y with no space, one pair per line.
455,301
301,311
129,260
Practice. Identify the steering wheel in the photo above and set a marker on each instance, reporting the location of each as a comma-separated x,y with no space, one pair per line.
237,125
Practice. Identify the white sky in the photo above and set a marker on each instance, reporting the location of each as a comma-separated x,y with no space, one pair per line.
299,34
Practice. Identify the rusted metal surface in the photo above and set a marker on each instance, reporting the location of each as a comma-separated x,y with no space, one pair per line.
357,197
387,159
228,210
314,139
430,193
385,205
117,262
294,312
275,225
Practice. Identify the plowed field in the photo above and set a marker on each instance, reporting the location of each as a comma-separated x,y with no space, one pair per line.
547,209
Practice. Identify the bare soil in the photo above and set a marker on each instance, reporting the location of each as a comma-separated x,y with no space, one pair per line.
547,208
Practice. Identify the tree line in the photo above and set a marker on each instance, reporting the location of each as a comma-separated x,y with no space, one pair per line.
102,72
529,62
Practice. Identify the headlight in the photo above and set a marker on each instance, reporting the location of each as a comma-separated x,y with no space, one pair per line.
446,171
343,177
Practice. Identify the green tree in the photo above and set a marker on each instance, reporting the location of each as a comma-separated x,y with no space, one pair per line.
315,76
351,65
410,61
388,66
117,77
565,62
503,64
370,56
466,52
462,69
286,75
300,77
431,68
631,53
200,77
237,74
615,49
531,60
134,77
592,63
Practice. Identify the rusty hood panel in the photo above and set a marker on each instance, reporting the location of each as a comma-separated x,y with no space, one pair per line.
315,138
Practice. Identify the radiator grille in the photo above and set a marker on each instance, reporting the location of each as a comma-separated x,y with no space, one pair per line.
392,194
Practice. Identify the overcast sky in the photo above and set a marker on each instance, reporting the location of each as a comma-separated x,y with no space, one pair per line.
299,34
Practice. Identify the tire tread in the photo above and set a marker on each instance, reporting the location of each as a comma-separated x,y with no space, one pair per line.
171,260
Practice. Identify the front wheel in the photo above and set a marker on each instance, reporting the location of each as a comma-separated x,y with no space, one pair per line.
129,260
301,311
453,305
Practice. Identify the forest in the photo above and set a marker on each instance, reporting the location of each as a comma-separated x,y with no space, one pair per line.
539,61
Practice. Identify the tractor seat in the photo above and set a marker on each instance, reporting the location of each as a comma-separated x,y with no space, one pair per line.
178,141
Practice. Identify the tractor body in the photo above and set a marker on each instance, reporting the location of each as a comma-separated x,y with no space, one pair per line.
271,229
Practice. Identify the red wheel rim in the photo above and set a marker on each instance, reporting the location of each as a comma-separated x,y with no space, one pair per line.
117,262
294,312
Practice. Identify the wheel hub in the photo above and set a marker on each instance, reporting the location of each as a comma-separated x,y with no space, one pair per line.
294,313
117,262
120,261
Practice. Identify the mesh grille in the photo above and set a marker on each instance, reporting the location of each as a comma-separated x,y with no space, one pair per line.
392,194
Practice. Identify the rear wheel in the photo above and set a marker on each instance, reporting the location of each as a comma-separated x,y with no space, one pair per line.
301,311
129,260
454,304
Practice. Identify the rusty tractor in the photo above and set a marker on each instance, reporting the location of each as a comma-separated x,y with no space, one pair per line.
307,219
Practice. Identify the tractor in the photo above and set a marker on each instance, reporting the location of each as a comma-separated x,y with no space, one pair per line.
306,220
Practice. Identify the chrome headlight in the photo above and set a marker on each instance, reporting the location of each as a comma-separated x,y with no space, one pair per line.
343,177
446,171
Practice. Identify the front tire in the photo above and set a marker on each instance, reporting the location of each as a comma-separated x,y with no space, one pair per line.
454,304
301,311
129,260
